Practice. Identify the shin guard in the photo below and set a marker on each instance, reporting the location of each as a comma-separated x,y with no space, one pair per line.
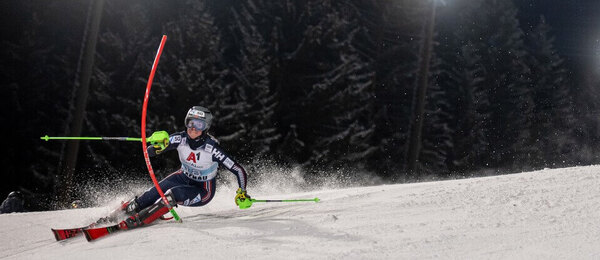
149,214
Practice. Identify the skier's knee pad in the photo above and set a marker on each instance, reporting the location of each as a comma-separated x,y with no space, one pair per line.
170,198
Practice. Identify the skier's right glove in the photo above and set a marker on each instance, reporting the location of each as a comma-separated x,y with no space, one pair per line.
159,147
159,140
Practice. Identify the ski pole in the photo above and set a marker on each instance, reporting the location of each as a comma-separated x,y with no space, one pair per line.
156,138
244,204
101,138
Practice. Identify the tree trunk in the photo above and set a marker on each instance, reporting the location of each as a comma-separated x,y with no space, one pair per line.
90,37
414,145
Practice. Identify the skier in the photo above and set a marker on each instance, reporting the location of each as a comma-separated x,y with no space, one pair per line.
194,183
77,204
13,203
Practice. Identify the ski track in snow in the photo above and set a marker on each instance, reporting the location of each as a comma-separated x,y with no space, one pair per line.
548,214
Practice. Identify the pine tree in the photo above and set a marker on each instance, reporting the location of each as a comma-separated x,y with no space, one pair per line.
194,71
125,47
461,83
553,114
251,101
343,96
508,104
307,55
462,78
387,39
437,128
38,56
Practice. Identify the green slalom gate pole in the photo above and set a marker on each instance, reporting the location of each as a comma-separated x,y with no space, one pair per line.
244,204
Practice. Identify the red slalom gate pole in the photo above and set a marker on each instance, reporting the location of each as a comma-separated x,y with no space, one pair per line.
144,144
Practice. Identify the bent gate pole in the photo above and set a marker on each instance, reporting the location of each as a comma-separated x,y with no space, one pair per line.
144,144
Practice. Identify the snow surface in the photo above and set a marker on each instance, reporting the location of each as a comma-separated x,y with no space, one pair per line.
548,214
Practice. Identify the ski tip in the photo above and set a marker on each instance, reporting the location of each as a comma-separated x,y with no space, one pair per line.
317,199
62,234
56,235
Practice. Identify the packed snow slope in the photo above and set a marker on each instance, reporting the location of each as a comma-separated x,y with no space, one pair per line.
548,214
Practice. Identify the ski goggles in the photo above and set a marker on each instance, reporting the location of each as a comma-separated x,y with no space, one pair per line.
197,124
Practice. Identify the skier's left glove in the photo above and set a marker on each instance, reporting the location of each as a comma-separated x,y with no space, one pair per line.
241,195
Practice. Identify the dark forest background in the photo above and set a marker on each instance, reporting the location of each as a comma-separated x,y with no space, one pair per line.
325,85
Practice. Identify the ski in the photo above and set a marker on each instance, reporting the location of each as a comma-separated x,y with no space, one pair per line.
94,233
66,233
91,231
62,234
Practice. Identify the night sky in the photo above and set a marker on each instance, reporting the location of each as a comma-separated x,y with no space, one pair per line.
575,23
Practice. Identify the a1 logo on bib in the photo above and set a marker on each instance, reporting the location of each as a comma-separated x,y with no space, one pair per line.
191,157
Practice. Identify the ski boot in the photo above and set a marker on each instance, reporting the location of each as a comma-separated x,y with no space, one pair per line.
127,208
149,214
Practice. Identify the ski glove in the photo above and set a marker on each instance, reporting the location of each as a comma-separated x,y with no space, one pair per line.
159,140
241,195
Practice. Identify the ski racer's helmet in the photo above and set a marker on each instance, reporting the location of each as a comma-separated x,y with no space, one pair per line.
76,204
14,194
199,118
